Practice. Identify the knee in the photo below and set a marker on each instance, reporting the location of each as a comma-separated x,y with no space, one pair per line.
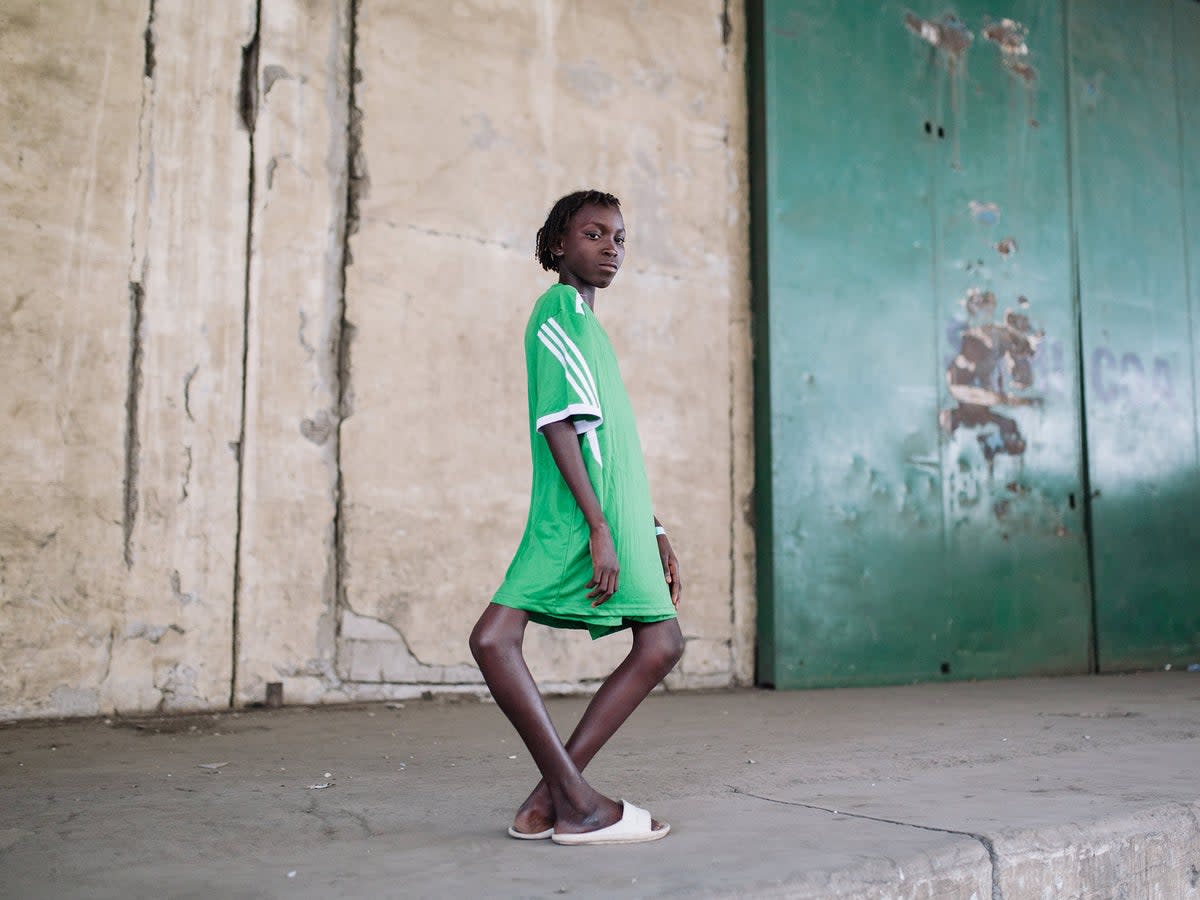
665,649
673,652
489,641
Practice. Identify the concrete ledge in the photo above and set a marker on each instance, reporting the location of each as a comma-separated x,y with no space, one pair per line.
1149,853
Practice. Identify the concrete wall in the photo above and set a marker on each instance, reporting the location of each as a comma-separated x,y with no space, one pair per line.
260,334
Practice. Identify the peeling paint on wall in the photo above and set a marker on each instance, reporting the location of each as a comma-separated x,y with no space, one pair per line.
1010,37
984,213
993,368
1006,247
949,34
951,39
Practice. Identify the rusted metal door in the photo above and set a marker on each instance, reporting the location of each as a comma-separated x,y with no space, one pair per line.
1135,80
920,490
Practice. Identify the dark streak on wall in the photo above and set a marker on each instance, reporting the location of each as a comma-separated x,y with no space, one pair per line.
132,442
248,103
148,41
357,182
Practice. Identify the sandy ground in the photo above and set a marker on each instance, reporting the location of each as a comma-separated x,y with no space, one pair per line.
942,790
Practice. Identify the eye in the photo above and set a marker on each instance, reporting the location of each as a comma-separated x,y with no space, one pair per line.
594,235
620,239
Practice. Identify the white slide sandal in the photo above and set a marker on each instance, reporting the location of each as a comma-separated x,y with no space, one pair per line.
529,835
634,827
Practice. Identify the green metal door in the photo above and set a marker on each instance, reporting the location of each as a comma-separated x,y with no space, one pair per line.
1135,79
920,507
1015,537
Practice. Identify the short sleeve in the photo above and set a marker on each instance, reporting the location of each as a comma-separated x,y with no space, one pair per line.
563,374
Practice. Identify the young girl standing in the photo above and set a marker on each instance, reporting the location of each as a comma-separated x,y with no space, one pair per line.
593,555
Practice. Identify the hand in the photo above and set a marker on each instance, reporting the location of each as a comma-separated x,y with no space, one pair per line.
605,567
670,566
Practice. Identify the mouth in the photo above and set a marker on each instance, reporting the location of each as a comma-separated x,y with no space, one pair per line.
612,267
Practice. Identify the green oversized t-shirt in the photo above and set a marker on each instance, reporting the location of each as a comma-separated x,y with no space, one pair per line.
573,374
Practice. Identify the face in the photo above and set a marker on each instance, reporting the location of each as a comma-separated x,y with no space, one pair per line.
593,247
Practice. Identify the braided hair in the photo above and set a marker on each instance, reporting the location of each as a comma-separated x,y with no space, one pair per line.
560,217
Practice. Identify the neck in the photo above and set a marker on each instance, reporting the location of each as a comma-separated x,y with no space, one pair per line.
586,291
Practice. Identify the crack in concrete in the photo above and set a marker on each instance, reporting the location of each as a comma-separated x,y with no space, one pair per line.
401,639
984,840
148,44
108,655
133,445
177,591
151,633
248,79
358,180
357,183
187,392
248,103
187,473
137,296
307,347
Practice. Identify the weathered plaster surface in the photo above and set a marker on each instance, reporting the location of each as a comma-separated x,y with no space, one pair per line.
261,343
188,247
70,92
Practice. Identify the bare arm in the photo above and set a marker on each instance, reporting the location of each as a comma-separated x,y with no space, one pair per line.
564,447
670,565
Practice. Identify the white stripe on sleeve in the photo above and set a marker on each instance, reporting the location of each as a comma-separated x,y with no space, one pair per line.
570,344
569,370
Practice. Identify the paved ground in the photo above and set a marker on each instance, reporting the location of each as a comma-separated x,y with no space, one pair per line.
1079,787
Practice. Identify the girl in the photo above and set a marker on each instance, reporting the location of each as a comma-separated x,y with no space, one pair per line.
593,555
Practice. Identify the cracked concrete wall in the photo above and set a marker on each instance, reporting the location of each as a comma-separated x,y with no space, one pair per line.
68,107
122,354
287,590
184,398
262,345
476,116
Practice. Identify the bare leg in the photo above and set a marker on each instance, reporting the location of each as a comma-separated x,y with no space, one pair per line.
496,645
656,649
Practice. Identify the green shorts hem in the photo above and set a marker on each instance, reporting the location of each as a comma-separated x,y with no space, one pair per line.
597,628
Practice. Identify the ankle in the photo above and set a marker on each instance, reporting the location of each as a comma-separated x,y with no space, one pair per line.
573,800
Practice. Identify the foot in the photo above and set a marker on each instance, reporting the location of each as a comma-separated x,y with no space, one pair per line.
599,813
536,814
